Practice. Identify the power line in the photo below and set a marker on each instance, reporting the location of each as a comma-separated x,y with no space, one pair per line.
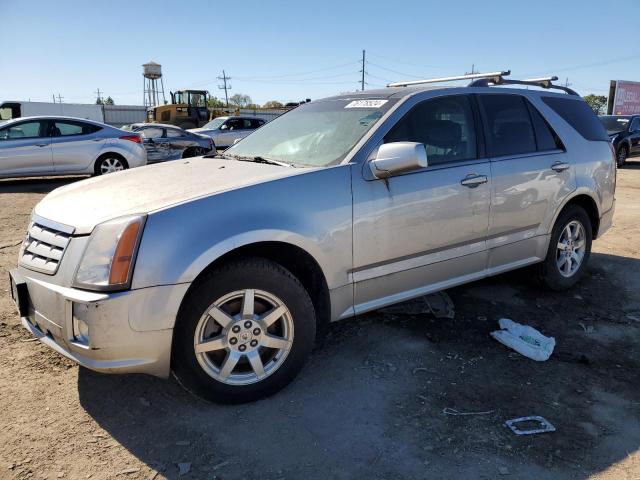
225,87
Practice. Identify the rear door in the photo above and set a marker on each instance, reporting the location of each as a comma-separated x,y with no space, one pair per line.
155,143
75,145
178,141
423,230
531,177
25,148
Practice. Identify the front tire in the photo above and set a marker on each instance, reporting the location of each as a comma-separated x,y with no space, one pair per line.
569,249
243,333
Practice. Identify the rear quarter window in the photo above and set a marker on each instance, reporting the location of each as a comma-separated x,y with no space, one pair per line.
579,115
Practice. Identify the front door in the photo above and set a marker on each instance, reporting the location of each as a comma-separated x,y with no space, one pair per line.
425,230
155,143
25,148
531,177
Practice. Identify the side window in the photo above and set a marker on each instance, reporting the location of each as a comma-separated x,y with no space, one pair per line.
509,125
23,130
247,124
546,137
443,125
152,132
173,133
579,115
635,125
63,129
234,124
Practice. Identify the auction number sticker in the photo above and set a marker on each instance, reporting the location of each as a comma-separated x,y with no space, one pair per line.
366,104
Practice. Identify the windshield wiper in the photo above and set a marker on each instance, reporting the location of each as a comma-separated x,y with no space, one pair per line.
257,159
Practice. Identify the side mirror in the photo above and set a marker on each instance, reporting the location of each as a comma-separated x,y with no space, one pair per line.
236,140
224,127
398,157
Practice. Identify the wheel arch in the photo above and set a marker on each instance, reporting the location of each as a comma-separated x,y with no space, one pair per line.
589,204
292,257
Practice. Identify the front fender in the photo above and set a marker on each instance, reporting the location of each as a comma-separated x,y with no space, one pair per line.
311,211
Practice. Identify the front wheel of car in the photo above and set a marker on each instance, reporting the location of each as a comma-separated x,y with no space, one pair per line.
243,332
569,249
110,163
621,156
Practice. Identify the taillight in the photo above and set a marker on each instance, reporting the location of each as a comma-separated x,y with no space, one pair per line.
132,138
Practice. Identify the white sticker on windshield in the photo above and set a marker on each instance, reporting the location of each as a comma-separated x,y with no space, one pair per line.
366,104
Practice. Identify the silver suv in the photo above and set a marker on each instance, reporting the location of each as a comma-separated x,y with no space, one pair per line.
224,269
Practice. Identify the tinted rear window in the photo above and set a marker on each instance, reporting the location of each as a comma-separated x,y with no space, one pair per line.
509,124
546,138
579,115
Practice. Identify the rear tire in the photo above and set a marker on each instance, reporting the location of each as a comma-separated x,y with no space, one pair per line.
226,346
110,163
569,249
621,156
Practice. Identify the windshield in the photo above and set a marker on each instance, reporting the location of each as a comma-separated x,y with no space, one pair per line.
614,124
215,123
314,134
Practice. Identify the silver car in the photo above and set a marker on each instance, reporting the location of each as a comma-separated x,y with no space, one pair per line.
226,130
66,146
224,269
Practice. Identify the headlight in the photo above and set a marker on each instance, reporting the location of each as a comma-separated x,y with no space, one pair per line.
107,262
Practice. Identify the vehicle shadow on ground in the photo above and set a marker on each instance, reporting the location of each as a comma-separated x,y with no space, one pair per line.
35,185
370,403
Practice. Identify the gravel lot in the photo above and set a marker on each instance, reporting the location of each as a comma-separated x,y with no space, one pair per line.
370,402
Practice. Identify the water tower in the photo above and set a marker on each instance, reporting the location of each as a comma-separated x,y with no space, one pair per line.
151,73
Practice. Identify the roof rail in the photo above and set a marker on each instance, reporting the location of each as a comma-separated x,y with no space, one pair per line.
543,82
493,76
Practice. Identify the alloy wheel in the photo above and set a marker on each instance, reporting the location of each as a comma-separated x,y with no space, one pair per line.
571,248
243,337
110,165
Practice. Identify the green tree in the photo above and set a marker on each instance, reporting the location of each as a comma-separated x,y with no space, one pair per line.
273,104
598,103
105,101
215,102
240,100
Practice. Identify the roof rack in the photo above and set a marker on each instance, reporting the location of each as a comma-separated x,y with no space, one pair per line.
543,82
493,78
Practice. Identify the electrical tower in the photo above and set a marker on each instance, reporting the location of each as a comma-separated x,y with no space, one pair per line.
363,70
225,86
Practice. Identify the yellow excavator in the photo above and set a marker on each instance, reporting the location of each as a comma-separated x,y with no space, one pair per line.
188,109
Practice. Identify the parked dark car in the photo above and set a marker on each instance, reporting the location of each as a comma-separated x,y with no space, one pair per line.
168,142
624,132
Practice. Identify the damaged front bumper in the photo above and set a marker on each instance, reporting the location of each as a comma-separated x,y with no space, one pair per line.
123,332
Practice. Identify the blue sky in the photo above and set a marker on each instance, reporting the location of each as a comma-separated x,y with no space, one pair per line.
291,50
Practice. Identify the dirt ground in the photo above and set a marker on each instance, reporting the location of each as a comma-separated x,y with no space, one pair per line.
370,402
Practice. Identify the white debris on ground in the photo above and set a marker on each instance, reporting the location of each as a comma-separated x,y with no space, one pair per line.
524,339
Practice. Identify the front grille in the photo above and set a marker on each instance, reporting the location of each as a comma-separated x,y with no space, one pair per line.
43,248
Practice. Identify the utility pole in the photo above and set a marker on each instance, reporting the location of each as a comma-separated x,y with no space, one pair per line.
566,82
59,98
473,69
54,97
99,98
225,87
363,63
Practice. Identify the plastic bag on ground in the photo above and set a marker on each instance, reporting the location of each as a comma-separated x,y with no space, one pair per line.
525,340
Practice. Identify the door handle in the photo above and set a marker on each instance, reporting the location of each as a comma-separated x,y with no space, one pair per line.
472,180
560,166
42,144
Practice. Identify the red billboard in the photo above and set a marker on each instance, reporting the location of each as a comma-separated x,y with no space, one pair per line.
624,98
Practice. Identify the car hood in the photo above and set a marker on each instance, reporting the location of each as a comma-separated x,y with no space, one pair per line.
201,130
87,203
